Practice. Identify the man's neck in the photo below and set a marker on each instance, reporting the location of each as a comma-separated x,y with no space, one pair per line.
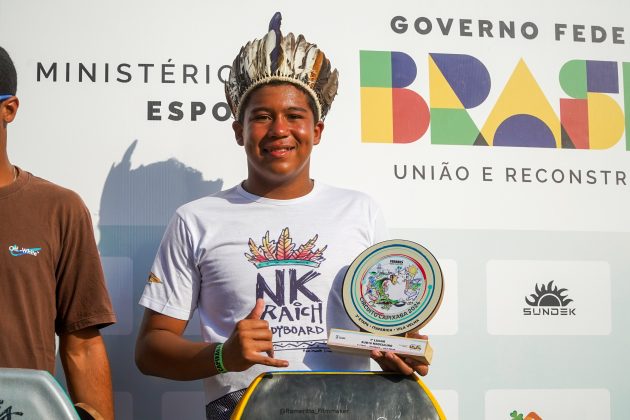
7,171
279,191
8,174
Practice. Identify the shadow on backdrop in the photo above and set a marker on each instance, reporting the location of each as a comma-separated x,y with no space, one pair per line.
136,205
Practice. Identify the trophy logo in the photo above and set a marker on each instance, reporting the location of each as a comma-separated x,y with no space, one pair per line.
392,288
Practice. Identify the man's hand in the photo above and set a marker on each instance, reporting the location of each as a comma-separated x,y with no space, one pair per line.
391,362
251,343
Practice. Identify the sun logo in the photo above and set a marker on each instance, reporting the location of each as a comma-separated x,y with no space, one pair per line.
282,252
548,295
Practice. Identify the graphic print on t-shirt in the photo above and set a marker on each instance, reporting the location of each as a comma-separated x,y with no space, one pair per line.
293,308
18,251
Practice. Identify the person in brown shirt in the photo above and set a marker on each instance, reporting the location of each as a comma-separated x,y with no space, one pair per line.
51,277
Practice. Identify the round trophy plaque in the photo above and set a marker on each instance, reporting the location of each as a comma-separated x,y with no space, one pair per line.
393,287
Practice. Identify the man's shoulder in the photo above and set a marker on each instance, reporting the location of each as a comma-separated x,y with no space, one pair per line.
213,202
45,190
329,191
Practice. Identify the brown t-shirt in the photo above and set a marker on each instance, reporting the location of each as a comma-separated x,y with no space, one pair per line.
51,278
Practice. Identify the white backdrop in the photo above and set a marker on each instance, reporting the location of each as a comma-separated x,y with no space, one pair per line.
500,240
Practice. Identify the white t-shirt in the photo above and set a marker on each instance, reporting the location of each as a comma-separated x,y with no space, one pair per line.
221,252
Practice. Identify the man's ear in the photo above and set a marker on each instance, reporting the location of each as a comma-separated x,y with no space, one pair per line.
317,133
8,109
238,132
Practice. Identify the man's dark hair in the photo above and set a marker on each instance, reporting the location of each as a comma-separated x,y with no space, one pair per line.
8,75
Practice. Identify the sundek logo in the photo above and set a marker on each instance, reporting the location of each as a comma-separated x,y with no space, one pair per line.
522,116
16,251
548,301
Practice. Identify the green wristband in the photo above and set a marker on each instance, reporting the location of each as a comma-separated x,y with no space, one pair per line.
218,358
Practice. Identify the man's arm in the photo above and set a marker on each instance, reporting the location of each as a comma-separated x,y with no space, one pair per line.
86,366
162,351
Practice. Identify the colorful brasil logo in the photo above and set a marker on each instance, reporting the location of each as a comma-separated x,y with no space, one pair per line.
522,115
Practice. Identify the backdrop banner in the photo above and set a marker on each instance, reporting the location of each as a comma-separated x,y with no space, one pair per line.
493,133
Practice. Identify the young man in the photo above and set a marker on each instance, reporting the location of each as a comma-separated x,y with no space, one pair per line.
50,274
262,261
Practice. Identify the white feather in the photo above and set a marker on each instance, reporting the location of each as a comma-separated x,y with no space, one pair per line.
270,44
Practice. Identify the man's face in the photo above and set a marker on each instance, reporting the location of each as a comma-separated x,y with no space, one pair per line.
278,132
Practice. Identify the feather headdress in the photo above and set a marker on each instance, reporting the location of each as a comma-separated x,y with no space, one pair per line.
282,58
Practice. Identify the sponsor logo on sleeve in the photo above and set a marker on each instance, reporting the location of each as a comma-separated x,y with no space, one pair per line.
153,279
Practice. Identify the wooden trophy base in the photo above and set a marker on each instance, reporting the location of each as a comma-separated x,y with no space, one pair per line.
363,342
